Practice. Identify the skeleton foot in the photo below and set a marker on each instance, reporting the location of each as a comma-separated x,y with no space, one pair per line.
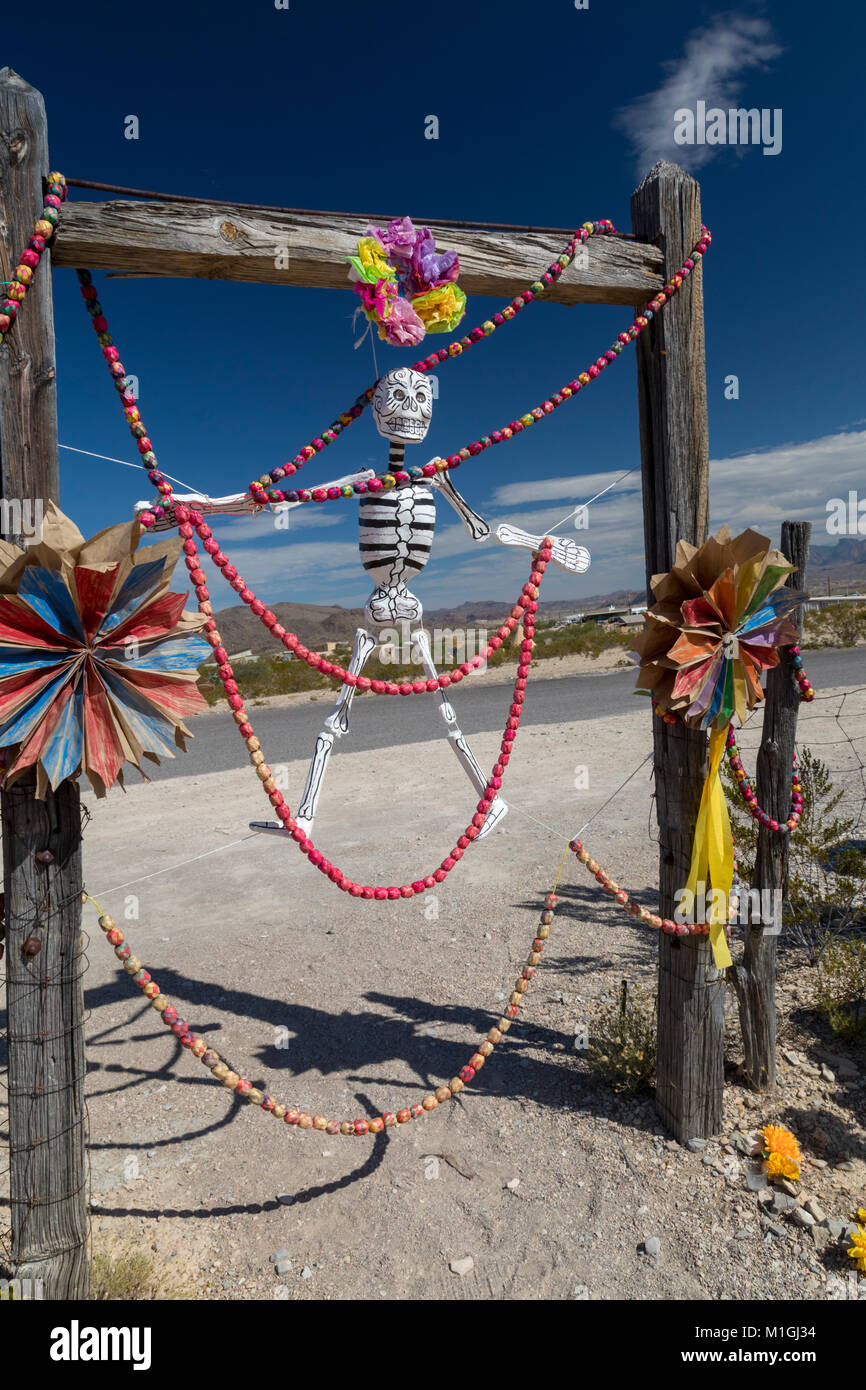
497,812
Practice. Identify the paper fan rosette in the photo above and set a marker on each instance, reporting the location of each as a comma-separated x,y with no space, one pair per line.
721,616
98,660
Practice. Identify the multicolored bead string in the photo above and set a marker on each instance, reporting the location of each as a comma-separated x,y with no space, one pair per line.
384,481
190,520
123,383
290,1114
454,349
747,791
807,693
28,261
634,909
751,800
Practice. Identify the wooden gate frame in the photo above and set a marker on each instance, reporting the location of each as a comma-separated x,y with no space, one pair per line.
217,241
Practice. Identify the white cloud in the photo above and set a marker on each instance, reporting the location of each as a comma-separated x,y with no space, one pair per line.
575,490
710,70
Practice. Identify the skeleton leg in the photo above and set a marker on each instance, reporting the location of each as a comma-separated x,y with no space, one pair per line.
498,808
336,725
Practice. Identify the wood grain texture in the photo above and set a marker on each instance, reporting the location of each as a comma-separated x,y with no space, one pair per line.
672,403
28,375
754,976
210,242
45,999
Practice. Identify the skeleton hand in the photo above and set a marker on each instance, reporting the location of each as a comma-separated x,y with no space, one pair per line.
565,553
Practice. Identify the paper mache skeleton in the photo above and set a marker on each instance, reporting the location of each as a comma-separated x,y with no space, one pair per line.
395,536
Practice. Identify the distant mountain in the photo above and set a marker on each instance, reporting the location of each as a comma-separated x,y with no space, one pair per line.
318,623
843,564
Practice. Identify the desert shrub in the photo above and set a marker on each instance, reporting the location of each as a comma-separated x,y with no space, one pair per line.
841,986
837,625
622,1047
132,1276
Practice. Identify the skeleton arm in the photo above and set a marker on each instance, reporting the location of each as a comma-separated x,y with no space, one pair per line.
239,503
475,525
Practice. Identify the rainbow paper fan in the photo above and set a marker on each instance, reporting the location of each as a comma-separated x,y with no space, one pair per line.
721,617
98,660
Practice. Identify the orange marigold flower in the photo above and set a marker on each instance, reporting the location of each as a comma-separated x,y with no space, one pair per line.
778,1140
781,1166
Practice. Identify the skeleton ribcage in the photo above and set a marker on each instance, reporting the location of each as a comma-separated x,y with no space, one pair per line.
395,533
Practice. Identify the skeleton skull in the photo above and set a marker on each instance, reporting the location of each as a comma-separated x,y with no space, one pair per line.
403,405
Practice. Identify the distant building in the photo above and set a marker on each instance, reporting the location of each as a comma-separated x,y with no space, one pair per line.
605,615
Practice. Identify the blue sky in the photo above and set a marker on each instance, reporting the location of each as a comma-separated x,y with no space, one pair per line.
547,115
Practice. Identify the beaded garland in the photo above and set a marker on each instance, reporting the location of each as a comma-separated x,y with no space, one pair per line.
293,1116
385,481
262,494
454,349
28,261
634,909
751,800
190,520
807,694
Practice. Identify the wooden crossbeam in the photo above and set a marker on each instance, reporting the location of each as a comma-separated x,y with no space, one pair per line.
219,243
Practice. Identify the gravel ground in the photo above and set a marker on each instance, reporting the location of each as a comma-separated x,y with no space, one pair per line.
538,1182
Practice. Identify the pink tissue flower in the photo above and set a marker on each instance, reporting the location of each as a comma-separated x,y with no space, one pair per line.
402,327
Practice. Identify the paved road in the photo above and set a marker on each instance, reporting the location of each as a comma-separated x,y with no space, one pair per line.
382,722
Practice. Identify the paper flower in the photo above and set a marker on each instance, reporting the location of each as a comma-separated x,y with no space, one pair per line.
719,622
97,658
402,327
781,1152
371,262
405,257
428,268
377,298
441,309
857,1249
398,240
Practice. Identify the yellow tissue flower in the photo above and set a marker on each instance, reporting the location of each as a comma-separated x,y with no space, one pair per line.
371,263
440,309
858,1248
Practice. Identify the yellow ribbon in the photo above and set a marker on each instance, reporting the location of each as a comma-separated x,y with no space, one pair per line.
713,850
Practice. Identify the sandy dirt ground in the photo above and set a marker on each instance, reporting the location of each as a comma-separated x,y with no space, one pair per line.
538,1174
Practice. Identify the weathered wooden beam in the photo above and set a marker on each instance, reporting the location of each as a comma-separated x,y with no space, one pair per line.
214,243
672,400
754,976
43,897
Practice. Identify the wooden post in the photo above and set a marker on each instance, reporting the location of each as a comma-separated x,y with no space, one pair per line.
754,976
672,398
43,899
